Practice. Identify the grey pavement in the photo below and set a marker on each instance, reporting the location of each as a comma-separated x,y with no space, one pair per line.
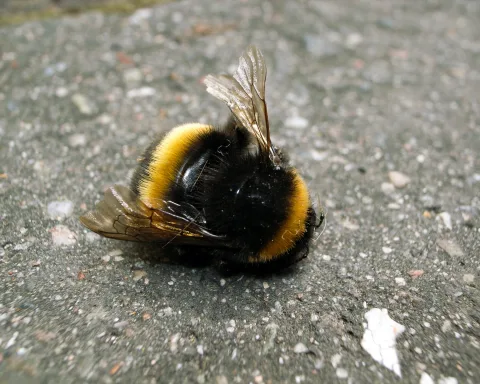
377,103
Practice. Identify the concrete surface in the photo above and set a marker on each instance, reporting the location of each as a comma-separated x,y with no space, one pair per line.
356,90
20,11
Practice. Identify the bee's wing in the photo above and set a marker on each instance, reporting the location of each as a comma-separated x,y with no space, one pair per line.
244,93
121,215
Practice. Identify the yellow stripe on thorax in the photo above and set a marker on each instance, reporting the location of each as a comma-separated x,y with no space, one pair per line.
167,158
293,227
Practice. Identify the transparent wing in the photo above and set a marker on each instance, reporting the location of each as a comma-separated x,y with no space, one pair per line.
244,93
121,215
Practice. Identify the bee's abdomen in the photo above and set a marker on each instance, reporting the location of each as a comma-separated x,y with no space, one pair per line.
263,208
294,227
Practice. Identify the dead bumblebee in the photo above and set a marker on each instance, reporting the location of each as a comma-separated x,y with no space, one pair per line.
223,192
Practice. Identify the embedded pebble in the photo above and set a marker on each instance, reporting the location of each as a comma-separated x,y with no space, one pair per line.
447,380
446,219
318,363
104,119
120,324
141,92
21,351
77,140
174,343
341,373
451,247
61,92
367,200
139,274
301,348
414,273
349,224
84,105
92,236
60,209
221,379
132,76
12,340
335,360
398,179
140,15
61,235
353,39
115,253
296,122
165,312
44,336
177,17
400,281
387,188
22,246
426,379
446,326
468,278
387,250
318,156
474,179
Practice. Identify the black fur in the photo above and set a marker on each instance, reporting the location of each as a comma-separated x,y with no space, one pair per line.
229,262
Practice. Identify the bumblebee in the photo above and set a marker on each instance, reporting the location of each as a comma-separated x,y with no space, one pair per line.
222,192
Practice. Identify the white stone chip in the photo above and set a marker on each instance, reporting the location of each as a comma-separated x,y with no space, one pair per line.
83,104
300,348
296,122
59,209
61,235
141,92
446,219
398,179
426,379
341,373
448,380
379,338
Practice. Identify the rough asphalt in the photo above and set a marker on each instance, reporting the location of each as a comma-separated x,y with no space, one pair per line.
377,103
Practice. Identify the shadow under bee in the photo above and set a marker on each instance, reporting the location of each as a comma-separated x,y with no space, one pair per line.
206,257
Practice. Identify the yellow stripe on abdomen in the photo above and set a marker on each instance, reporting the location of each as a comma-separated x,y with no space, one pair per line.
293,228
167,158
